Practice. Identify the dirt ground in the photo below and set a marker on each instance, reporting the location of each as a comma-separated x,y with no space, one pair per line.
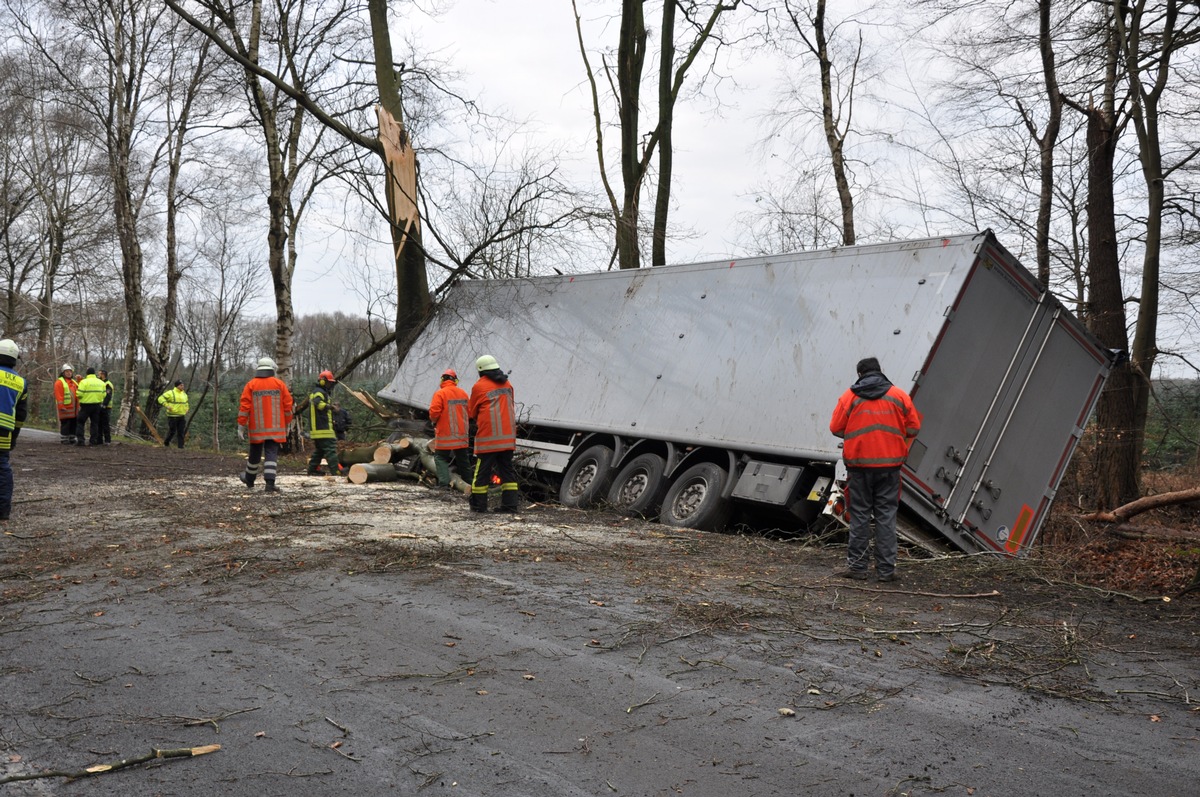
379,639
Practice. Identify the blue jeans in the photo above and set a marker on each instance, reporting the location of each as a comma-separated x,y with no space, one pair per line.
874,493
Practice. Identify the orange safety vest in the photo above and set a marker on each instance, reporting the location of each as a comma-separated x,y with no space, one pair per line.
64,398
448,411
876,431
494,412
266,409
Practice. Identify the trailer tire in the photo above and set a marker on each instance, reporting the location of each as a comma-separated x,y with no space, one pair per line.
694,501
585,482
639,487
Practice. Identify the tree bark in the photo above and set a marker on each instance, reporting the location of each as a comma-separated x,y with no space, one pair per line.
631,58
1117,457
1126,511
1047,143
392,452
369,473
413,301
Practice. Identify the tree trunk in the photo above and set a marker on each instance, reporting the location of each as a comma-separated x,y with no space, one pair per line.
1047,143
631,57
666,145
356,455
834,137
413,302
392,452
1117,455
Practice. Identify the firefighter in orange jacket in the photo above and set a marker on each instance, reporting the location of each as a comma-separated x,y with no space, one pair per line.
266,410
448,413
877,420
67,405
493,410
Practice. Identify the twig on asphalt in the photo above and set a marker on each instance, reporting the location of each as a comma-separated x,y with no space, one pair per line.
652,699
98,769
192,721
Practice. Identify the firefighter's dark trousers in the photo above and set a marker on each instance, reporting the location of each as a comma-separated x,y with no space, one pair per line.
494,463
266,452
326,449
457,458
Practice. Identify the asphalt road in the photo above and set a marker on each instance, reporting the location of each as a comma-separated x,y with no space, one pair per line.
518,668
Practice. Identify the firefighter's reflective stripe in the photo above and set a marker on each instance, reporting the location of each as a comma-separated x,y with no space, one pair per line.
320,416
268,407
265,409
457,428
12,406
64,398
493,409
877,431
448,411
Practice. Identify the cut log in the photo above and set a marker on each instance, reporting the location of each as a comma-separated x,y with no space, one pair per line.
369,472
392,452
350,456
364,473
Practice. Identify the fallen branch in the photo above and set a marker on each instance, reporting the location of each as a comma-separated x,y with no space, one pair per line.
1133,508
149,425
97,769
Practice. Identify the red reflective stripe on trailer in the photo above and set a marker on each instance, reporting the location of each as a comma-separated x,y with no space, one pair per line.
1020,529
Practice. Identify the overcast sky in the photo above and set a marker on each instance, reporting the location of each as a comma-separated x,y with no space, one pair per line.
522,58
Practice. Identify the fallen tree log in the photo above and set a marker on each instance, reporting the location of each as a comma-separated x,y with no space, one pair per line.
370,472
1134,508
427,457
351,456
392,452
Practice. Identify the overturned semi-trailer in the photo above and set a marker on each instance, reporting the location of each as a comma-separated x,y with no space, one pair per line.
682,391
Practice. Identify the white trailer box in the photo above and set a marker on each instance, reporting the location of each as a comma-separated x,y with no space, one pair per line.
737,365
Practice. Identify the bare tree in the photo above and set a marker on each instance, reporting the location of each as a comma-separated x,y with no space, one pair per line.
393,145
838,84
636,153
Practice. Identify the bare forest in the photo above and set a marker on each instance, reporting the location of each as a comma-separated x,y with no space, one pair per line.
171,171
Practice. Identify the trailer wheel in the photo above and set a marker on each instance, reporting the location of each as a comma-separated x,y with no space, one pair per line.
639,487
694,499
586,479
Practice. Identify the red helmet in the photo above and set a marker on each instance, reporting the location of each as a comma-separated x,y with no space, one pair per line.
449,373
327,376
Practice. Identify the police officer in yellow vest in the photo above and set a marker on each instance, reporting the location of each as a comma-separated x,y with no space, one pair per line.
175,401
90,393
106,407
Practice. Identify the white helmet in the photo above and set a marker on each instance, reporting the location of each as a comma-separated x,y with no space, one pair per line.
267,363
8,348
486,363
66,367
